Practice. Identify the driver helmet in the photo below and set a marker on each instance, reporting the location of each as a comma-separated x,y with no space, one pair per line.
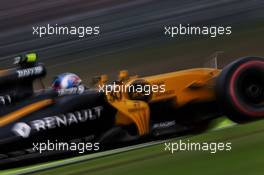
66,81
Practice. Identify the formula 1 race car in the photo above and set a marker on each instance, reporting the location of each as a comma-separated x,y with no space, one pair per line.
127,111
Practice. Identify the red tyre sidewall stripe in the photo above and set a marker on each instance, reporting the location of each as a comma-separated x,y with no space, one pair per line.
243,108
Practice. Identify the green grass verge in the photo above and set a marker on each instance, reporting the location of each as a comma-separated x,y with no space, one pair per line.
244,158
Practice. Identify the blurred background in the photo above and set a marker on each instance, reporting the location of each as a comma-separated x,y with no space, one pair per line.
132,37
131,34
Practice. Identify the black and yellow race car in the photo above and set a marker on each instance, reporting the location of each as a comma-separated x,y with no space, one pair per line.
127,111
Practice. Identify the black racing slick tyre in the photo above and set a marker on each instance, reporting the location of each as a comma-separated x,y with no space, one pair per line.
240,89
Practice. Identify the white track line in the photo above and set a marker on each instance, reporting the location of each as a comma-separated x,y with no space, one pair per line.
79,159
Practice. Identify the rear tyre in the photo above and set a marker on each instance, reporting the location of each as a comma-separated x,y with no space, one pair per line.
240,89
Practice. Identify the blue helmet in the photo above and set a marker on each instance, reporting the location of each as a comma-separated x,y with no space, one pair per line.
66,81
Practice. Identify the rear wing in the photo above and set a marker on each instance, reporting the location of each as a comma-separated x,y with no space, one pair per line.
26,68
17,82
16,75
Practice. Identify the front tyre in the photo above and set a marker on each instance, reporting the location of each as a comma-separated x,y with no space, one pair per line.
240,89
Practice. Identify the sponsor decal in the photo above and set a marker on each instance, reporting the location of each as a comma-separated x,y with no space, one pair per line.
30,72
22,129
75,90
62,120
162,125
6,99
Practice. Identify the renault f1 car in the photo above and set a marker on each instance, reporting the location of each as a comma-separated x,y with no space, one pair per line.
145,108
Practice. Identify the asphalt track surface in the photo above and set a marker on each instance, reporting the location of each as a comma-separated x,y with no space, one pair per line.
124,25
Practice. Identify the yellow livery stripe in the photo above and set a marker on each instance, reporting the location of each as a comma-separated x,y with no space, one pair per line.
20,113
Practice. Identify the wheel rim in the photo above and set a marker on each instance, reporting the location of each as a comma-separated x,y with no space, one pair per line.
246,93
252,89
